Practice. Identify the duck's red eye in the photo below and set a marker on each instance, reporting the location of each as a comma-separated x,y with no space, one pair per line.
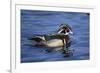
67,30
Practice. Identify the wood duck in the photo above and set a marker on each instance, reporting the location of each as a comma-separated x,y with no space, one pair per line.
60,39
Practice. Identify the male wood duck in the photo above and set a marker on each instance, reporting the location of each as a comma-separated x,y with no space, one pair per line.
61,39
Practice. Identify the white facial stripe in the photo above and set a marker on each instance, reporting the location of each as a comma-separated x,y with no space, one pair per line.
60,31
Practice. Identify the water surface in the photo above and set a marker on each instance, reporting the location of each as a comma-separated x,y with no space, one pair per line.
48,22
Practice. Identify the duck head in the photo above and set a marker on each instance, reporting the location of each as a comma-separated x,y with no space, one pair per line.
65,29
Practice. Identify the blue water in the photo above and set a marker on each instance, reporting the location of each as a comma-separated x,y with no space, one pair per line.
48,22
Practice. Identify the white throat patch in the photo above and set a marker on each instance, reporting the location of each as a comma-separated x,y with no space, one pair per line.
66,33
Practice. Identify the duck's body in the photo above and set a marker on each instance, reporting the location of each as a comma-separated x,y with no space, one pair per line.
56,40
60,39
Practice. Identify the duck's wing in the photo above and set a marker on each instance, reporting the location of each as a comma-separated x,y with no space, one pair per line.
37,38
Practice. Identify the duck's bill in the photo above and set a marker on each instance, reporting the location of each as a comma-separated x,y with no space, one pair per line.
71,32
